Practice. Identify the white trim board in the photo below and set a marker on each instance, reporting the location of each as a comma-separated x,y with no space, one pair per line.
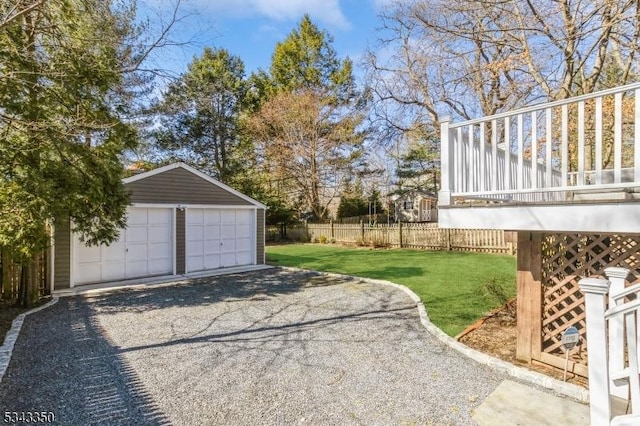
591,218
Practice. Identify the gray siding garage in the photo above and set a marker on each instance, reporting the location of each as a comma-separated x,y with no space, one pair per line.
180,221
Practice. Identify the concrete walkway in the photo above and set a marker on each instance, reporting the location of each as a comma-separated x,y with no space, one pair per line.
266,347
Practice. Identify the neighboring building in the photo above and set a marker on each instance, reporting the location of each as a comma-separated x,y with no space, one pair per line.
180,221
415,206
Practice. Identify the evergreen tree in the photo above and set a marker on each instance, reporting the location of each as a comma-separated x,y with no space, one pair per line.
67,75
308,120
200,117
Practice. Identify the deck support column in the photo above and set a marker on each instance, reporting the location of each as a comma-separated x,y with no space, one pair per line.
446,163
530,296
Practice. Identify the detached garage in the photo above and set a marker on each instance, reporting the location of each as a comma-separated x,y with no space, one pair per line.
180,221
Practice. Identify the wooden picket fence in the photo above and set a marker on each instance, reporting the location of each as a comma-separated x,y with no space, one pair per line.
426,236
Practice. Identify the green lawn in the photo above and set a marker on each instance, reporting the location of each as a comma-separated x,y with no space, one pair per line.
452,285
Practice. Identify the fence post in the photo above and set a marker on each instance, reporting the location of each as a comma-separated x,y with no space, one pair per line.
447,233
400,233
362,231
332,234
595,293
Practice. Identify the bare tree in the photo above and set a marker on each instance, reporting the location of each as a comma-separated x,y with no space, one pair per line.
307,144
479,57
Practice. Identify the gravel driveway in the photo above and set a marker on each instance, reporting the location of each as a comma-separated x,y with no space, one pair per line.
267,347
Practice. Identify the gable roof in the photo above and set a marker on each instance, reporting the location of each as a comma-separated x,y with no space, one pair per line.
198,173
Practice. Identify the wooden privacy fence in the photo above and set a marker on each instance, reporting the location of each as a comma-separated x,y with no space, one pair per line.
402,235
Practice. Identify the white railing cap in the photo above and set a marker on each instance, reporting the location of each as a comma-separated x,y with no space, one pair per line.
594,285
616,272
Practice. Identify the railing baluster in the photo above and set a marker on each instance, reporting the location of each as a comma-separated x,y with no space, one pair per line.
507,154
494,155
534,149
598,140
548,146
483,161
564,158
580,143
471,170
519,170
617,139
460,168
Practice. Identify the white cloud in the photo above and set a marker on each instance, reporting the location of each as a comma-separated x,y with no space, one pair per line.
327,12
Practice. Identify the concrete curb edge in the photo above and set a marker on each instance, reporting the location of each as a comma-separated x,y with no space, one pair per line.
6,350
569,390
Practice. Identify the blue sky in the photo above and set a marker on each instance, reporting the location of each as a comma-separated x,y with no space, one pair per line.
250,29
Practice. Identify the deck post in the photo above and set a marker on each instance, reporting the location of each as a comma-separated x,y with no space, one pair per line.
595,293
446,162
530,294
617,278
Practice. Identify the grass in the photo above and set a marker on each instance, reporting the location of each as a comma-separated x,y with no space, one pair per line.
452,285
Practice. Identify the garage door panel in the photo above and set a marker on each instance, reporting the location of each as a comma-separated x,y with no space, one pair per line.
228,216
243,244
144,248
243,257
195,263
225,240
212,216
212,232
157,266
136,268
228,246
114,253
113,271
88,254
158,233
243,231
212,262
195,248
160,251
159,216
195,216
137,234
137,217
90,272
227,231
195,232
212,247
244,217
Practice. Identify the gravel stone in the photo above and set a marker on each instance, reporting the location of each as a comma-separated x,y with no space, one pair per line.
268,347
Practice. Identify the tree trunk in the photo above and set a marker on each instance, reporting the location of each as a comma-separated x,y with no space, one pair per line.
28,290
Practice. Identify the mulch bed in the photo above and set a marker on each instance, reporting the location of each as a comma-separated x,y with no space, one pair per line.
7,313
495,334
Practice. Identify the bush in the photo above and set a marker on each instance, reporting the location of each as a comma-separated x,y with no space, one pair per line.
498,294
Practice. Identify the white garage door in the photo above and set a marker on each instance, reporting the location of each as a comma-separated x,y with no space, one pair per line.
218,238
145,248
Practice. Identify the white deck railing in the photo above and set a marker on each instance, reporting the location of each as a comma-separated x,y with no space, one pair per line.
588,143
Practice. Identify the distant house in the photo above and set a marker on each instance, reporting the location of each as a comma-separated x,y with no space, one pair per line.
416,206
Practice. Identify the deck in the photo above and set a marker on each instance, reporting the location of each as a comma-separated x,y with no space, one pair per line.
569,165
